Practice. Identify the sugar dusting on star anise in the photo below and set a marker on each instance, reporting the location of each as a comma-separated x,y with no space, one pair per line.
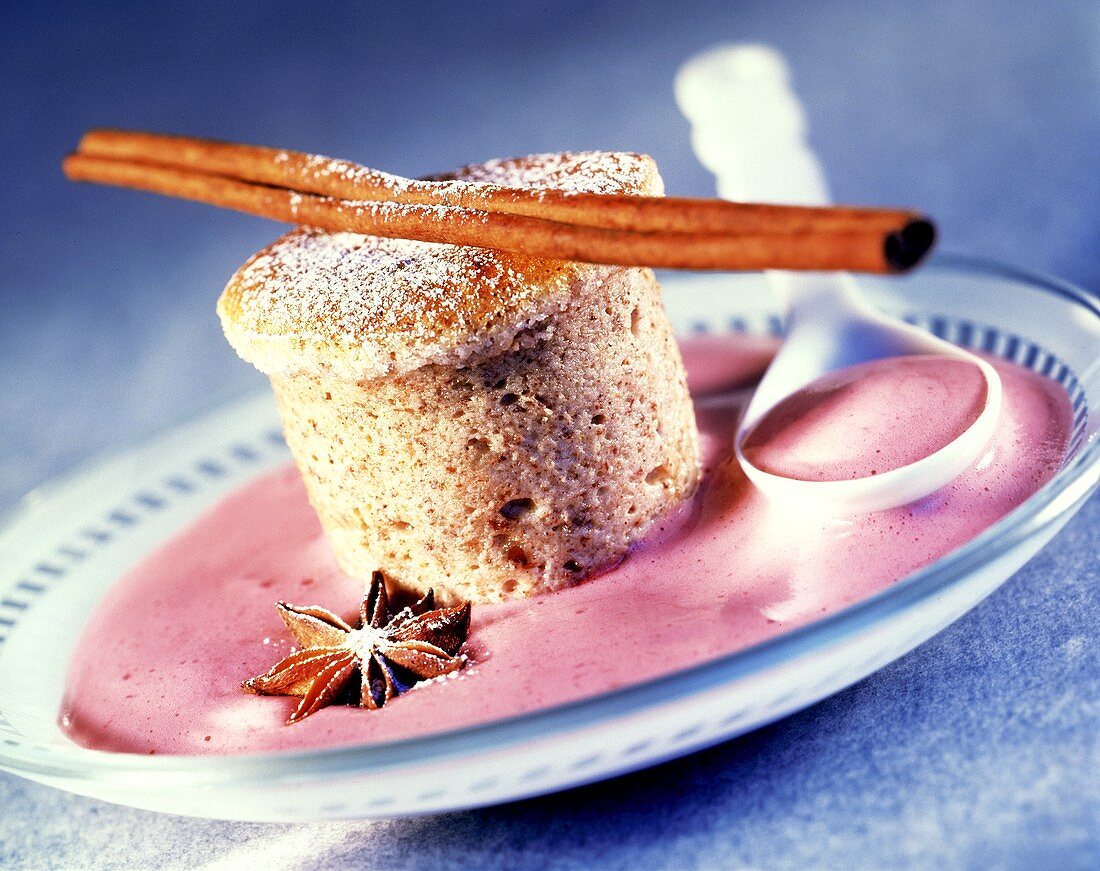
385,653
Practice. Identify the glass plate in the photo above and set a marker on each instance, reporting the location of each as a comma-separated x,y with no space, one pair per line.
69,541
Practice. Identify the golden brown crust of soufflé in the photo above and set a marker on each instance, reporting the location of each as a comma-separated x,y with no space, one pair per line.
362,306
489,424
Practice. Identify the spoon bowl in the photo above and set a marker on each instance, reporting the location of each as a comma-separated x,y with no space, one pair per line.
830,329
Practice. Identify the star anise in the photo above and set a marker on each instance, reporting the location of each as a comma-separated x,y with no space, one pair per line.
389,653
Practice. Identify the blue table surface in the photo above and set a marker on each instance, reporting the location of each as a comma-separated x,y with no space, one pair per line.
979,749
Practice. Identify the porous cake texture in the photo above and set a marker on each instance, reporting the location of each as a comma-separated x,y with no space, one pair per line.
490,425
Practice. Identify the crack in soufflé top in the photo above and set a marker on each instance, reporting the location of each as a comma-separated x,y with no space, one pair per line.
359,307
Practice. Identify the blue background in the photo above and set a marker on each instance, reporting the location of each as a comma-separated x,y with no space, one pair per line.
978,749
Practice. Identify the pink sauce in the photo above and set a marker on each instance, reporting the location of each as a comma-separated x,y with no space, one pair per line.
868,419
159,666
714,364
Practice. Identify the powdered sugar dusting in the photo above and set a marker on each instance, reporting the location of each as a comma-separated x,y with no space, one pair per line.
606,172
322,167
362,306
345,287
600,172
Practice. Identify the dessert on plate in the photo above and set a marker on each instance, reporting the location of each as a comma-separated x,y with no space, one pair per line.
485,402
490,424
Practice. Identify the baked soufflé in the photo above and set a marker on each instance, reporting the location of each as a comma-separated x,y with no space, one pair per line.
488,424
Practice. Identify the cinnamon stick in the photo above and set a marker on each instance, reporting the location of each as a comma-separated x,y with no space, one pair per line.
339,196
312,173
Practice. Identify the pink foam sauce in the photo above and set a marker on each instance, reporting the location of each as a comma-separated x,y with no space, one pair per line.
868,419
158,667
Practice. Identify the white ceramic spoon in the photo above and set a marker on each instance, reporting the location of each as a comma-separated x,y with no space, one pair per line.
748,128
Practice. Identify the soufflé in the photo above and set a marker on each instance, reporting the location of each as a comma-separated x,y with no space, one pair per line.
488,424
